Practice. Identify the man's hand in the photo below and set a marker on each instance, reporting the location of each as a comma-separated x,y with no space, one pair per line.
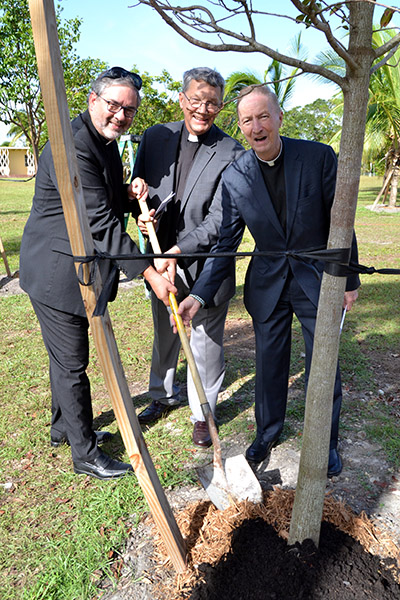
168,264
349,299
187,309
160,285
138,188
142,221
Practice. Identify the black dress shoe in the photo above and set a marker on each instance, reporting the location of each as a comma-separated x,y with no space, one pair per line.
102,437
102,467
335,464
259,450
153,412
201,435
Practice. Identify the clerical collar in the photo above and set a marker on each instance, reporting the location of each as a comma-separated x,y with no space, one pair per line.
272,162
191,137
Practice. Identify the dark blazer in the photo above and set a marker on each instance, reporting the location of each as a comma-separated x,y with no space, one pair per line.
47,270
200,213
310,176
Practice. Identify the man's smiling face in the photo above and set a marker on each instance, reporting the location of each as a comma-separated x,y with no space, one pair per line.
198,121
260,120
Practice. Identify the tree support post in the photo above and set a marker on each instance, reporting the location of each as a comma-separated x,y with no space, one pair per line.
60,134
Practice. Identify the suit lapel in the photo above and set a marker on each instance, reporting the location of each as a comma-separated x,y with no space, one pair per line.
259,192
170,144
204,155
293,167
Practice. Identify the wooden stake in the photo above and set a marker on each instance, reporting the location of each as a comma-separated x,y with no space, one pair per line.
4,257
62,145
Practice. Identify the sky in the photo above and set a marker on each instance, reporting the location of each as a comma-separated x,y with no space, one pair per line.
120,33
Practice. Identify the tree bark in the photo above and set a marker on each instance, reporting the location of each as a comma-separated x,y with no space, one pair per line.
311,484
384,188
394,183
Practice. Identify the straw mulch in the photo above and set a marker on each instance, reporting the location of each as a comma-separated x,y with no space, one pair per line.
208,532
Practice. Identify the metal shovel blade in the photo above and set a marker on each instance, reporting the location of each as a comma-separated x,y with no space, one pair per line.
235,482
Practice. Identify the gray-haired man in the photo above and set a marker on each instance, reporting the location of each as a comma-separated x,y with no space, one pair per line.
187,158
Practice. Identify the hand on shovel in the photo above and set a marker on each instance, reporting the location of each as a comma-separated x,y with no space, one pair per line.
187,309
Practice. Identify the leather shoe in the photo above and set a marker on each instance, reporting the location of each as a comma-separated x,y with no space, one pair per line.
335,464
259,450
101,436
102,467
201,435
153,412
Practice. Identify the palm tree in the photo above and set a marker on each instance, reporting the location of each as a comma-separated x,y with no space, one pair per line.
382,133
383,120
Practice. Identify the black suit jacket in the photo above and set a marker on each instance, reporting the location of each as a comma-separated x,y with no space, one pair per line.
47,270
310,176
200,213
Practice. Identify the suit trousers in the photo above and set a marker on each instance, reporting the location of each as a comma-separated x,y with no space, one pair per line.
66,339
273,348
206,342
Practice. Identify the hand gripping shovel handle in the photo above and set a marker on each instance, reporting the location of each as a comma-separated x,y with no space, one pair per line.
205,407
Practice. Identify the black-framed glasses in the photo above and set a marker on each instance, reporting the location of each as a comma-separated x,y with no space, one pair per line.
114,107
121,73
211,107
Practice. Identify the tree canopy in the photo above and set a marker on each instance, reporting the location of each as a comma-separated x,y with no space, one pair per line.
21,103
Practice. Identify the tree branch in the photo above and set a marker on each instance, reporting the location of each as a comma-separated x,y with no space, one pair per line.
316,18
384,60
187,16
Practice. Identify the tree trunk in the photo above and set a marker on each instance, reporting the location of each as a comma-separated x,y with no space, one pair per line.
394,184
311,484
384,188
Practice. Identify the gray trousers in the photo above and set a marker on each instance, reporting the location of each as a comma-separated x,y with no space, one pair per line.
206,342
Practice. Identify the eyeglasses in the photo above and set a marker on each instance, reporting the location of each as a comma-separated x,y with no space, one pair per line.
120,73
114,107
211,107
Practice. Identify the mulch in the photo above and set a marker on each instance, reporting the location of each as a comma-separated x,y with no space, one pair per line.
242,553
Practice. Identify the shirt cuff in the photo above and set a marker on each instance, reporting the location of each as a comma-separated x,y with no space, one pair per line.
202,302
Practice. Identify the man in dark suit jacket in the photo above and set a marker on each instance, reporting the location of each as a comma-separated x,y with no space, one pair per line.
47,269
187,158
282,190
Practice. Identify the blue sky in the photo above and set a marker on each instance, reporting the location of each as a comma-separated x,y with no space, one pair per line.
125,36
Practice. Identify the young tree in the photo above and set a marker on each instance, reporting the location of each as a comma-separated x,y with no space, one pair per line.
20,98
210,21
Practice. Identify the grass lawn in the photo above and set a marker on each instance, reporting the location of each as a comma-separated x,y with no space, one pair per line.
61,533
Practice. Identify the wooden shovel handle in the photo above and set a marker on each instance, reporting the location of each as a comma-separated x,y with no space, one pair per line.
205,407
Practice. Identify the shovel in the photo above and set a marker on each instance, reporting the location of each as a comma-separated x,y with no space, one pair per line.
225,481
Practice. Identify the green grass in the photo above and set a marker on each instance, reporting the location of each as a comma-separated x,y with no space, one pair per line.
61,533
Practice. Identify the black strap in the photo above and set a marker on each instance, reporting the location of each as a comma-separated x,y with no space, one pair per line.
336,263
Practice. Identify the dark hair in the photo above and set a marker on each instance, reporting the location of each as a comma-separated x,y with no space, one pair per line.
210,76
260,89
117,76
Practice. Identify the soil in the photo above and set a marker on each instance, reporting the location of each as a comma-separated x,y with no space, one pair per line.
261,566
256,561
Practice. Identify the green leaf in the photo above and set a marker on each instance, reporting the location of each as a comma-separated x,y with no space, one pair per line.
387,17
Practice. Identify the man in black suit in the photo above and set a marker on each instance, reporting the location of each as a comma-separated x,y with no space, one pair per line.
47,269
187,158
282,190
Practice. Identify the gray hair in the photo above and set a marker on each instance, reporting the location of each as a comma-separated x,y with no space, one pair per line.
210,76
260,89
117,76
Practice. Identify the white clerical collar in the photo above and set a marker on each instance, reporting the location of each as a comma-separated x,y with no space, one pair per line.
272,162
192,138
